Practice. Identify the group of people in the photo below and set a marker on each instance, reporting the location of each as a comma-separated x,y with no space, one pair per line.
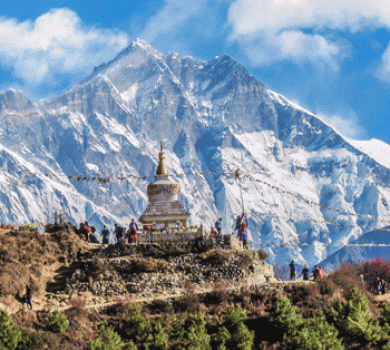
318,272
381,286
110,238
240,227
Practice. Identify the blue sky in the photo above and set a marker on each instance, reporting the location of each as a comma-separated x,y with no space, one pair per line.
332,58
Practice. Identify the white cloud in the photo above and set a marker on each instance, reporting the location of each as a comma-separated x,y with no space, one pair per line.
294,46
173,15
186,26
56,43
347,125
295,30
383,72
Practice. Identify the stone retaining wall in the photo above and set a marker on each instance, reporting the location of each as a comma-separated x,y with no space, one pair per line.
120,278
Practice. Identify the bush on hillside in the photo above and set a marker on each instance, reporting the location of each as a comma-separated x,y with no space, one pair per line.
353,320
326,286
217,257
57,323
284,316
107,339
134,325
10,333
149,265
347,277
316,334
262,255
375,269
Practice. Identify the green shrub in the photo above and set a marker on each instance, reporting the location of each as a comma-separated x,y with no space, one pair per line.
316,334
57,323
136,326
284,316
326,286
160,339
195,334
222,338
241,336
384,316
175,329
353,320
10,333
107,339
131,346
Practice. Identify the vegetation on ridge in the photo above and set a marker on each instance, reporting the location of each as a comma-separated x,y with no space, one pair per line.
338,312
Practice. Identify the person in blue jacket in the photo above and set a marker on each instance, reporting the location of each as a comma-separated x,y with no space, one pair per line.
218,226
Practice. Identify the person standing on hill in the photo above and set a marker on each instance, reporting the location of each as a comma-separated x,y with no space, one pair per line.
105,234
320,272
118,231
218,226
305,273
292,271
244,239
28,296
132,234
316,273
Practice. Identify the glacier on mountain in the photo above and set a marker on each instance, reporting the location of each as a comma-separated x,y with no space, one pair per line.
213,117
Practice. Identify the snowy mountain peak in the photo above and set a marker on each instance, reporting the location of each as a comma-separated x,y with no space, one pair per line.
214,116
12,100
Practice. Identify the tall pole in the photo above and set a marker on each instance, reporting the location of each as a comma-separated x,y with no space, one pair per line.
238,177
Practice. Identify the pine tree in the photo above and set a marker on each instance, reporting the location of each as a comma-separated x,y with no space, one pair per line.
160,339
10,333
384,316
57,323
136,326
353,320
131,346
317,334
222,338
195,333
241,336
284,316
107,339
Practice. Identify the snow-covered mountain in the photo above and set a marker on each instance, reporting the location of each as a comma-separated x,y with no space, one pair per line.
371,245
213,116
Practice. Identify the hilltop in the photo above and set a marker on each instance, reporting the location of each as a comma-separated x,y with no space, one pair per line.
171,296
103,273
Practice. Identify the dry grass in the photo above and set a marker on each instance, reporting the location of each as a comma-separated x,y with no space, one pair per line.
347,278
217,257
32,257
149,265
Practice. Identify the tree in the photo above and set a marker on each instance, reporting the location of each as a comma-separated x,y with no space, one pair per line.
136,326
235,334
10,333
107,339
316,334
284,316
57,323
353,320
195,333
222,338
131,346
